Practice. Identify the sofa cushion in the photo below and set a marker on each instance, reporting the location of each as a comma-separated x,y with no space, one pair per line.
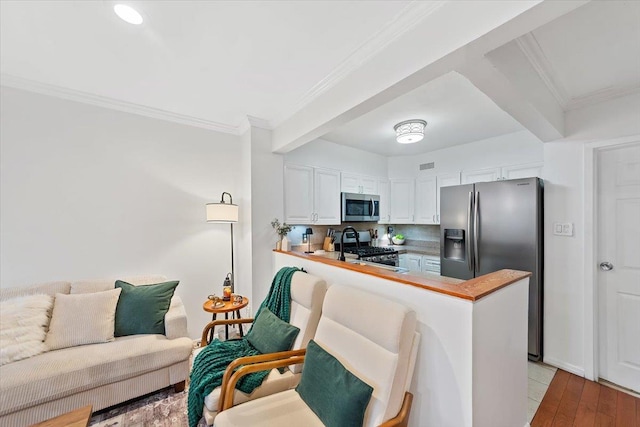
59,373
48,288
23,326
82,319
141,309
89,286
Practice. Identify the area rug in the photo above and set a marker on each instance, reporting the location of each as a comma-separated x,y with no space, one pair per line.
164,408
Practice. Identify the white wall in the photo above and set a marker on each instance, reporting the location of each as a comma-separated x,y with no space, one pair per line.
89,192
565,176
326,154
511,149
267,183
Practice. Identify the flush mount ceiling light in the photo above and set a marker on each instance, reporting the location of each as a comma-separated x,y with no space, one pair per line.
128,14
410,131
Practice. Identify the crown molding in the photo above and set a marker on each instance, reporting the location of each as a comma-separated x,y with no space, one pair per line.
403,22
602,95
114,104
530,47
252,121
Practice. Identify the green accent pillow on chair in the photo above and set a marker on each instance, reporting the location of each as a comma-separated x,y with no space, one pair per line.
270,334
335,395
141,309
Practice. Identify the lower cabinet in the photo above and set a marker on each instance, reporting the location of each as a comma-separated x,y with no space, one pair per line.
414,262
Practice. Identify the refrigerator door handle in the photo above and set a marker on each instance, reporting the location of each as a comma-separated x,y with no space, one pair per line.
469,261
476,229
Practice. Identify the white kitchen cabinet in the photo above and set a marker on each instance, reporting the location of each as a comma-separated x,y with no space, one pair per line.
426,200
298,194
481,175
430,264
384,190
402,260
311,195
402,201
528,170
414,262
444,180
355,183
326,200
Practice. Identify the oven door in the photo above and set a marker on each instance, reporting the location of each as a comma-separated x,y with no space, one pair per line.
360,207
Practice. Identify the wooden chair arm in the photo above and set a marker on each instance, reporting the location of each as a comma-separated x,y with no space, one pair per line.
402,419
249,360
205,332
247,369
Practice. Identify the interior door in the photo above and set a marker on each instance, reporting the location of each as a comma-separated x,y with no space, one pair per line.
619,265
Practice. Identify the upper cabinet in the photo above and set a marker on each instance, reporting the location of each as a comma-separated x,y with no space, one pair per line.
445,180
402,201
384,190
425,204
311,195
354,183
528,170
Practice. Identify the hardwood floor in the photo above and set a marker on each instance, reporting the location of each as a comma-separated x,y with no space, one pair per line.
573,401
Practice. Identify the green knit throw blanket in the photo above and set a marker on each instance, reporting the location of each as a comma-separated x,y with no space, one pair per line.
211,362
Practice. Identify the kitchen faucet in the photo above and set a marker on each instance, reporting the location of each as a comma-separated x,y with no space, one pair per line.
342,258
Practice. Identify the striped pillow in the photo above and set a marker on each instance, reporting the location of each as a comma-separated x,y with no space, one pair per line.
82,319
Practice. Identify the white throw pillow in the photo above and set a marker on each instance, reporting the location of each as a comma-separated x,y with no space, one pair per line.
23,326
82,319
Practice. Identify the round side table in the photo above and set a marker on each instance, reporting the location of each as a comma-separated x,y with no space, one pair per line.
228,307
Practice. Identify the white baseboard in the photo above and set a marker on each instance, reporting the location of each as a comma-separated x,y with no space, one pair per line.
564,366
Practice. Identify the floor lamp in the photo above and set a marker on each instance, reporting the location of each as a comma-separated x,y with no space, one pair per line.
224,213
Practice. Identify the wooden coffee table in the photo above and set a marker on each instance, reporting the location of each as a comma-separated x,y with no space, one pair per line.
77,418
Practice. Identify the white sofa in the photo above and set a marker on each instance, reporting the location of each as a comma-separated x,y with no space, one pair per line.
102,375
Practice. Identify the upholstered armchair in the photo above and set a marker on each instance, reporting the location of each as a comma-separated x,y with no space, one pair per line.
363,344
307,295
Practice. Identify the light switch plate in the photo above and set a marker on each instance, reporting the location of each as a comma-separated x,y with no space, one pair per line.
563,229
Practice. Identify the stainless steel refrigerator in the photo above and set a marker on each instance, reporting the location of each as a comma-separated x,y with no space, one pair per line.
489,226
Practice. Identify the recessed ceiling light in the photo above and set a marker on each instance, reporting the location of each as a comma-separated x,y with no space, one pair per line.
128,14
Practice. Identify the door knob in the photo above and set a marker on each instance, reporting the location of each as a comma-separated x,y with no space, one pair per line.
606,266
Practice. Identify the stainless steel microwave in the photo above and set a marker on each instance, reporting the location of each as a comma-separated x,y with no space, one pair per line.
360,207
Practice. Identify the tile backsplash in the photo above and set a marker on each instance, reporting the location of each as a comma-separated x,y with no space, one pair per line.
416,234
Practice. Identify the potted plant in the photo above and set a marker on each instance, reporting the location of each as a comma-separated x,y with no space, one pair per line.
281,231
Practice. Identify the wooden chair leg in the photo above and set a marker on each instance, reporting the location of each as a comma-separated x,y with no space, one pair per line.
179,387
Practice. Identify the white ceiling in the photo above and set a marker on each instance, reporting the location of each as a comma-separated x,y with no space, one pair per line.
455,110
213,63
589,55
591,52
217,61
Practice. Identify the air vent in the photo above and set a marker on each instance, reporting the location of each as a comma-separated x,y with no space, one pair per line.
426,166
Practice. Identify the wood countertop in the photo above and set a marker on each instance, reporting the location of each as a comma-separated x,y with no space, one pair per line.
472,289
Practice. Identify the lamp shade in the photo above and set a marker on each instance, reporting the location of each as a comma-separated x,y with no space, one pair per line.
222,212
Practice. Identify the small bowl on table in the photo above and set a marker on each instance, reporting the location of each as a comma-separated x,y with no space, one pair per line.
397,241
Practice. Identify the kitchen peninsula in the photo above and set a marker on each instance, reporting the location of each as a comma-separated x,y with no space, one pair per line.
471,368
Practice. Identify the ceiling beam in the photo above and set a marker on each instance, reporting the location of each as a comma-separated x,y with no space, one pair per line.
420,55
508,79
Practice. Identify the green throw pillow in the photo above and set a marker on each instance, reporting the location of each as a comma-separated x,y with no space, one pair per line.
141,309
334,394
270,334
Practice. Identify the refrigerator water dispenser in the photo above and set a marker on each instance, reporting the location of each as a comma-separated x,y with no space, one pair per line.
454,244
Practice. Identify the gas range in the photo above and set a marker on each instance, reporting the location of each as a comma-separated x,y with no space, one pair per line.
366,252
